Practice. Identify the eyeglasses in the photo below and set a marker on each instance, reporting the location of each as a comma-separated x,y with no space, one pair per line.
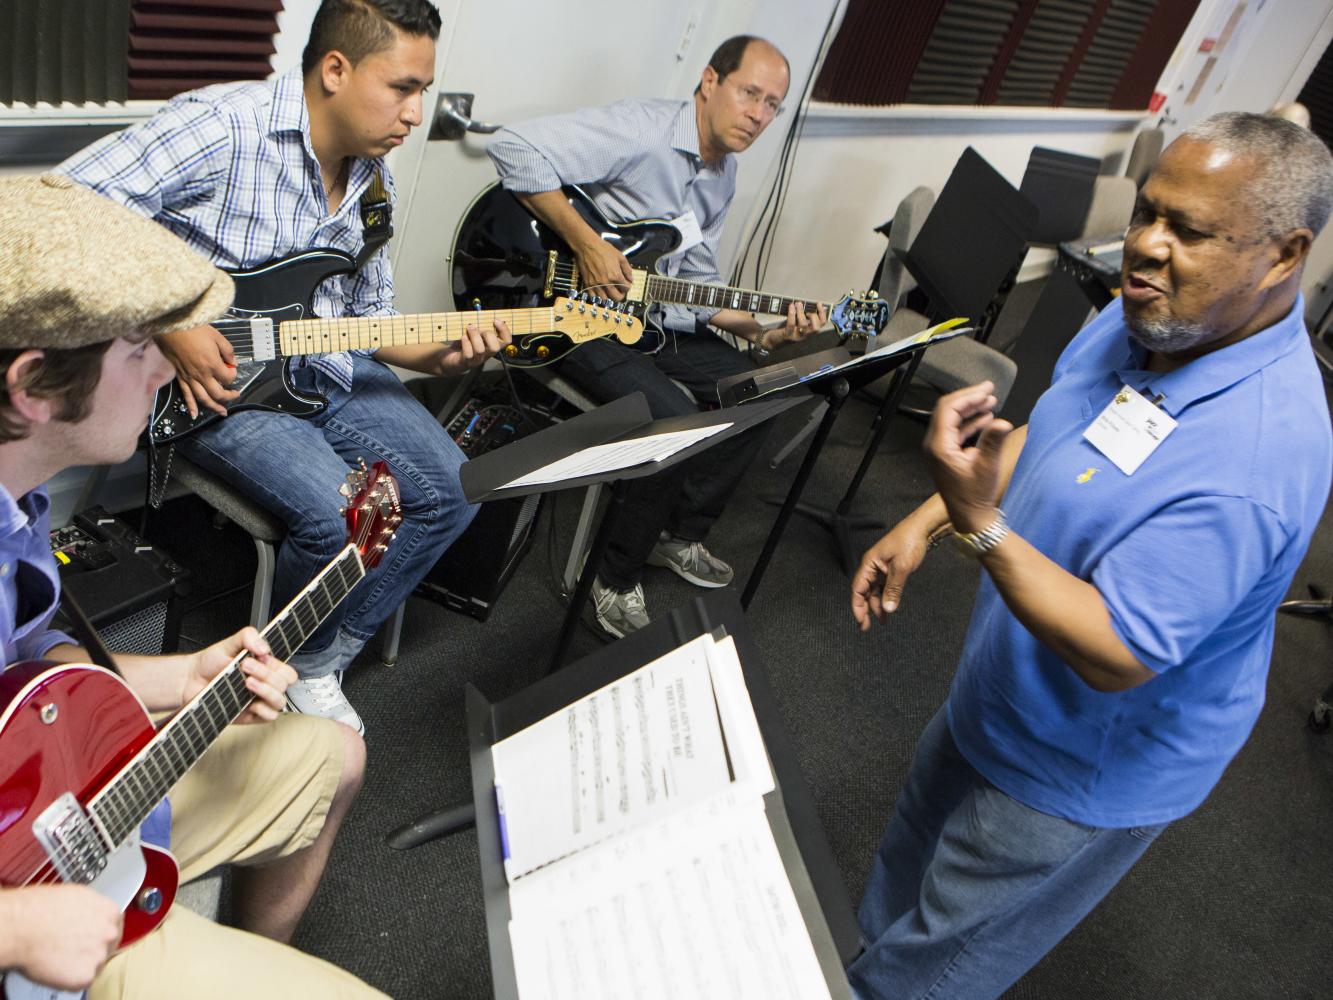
753,95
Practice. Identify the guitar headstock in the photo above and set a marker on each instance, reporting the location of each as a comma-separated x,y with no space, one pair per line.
373,511
859,315
586,317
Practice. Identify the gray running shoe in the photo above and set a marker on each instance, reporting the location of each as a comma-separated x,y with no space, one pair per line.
691,561
619,613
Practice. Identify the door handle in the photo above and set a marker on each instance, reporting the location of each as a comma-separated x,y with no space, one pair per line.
453,120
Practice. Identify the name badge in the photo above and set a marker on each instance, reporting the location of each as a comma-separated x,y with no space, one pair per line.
690,234
1129,430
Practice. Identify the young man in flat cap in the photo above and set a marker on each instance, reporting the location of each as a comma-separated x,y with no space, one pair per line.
254,172
86,288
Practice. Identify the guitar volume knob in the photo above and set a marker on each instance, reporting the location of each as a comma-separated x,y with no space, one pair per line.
150,900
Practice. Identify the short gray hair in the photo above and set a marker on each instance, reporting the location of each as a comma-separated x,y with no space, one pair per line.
1294,186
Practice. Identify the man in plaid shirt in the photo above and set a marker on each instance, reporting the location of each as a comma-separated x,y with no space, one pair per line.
252,172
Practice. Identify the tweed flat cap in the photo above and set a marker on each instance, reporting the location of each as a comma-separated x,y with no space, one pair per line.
77,268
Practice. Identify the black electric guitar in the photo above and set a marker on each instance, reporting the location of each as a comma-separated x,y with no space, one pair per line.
506,257
272,320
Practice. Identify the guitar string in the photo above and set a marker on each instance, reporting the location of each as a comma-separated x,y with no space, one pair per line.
522,322
47,868
673,285
230,683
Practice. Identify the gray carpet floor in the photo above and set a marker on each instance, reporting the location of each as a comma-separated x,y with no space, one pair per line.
1234,901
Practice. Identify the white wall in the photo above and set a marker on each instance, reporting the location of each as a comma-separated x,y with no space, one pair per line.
853,166
851,171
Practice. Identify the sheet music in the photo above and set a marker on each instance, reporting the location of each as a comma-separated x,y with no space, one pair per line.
740,729
693,905
617,455
947,330
648,743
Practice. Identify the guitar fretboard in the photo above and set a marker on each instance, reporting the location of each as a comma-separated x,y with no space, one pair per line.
693,293
369,333
128,799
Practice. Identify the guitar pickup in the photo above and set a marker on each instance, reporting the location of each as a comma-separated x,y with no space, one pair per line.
262,347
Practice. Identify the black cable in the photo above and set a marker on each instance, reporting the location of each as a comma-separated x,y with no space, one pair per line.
776,198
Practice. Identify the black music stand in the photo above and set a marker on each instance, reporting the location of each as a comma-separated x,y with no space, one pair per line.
483,479
816,881
1060,185
967,254
840,521
1078,282
627,418
835,386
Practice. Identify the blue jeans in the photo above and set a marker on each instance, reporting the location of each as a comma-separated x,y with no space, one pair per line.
294,467
687,498
970,887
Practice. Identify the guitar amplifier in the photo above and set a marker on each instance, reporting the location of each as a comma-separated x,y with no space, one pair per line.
474,570
129,590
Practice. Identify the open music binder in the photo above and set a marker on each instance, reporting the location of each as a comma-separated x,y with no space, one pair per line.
644,830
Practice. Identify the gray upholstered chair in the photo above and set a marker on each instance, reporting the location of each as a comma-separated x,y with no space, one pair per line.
1112,205
955,363
1143,155
892,281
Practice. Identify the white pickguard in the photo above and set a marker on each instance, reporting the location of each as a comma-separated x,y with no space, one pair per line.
119,881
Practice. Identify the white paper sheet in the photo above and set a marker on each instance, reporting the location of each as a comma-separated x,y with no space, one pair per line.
692,905
740,728
942,331
630,751
617,455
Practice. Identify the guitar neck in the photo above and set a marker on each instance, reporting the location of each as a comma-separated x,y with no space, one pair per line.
129,797
678,291
369,333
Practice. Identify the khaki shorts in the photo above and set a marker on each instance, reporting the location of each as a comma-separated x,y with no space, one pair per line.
260,793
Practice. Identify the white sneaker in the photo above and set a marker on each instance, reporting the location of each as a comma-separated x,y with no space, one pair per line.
324,696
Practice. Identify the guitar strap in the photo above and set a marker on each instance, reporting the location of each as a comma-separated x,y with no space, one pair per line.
83,628
376,219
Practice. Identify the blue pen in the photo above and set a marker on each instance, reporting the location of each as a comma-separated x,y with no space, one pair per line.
504,829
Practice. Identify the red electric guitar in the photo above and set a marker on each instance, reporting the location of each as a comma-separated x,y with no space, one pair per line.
81,764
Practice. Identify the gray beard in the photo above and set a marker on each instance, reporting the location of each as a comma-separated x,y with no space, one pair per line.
1165,335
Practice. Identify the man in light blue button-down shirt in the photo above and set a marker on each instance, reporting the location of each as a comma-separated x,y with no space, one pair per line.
672,160
248,173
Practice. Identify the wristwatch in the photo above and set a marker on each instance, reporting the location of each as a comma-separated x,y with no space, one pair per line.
978,543
757,347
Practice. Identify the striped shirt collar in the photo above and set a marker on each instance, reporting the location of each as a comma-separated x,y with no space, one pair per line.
289,111
685,138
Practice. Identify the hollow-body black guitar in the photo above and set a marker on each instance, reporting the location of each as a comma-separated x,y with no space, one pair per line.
504,256
272,320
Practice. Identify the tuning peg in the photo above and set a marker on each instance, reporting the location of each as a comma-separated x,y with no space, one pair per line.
342,511
345,489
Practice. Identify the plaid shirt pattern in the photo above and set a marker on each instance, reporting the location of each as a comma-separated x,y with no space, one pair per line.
231,170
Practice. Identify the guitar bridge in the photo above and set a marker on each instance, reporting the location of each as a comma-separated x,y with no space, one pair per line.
67,834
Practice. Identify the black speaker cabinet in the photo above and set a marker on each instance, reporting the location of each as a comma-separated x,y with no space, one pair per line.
474,570
129,590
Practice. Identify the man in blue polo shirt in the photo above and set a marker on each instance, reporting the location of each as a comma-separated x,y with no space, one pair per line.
1154,511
